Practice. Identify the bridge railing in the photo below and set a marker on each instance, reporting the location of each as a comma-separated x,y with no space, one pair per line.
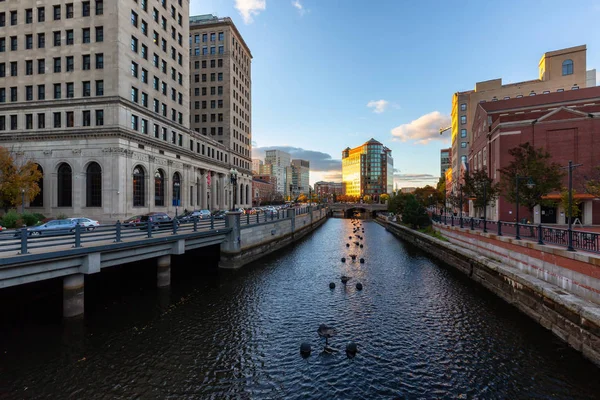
24,240
258,218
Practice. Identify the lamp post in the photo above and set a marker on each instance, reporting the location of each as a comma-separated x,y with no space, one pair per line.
461,206
22,201
233,176
484,207
309,196
445,209
530,185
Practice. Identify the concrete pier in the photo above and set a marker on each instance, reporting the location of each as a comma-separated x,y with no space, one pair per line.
163,273
73,299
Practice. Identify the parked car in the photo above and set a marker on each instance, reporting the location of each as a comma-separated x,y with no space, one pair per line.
220,214
204,214
133,221
190,215
88,224
158,220
54,227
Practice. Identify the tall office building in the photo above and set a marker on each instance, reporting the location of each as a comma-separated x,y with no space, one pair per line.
276,161
97,94
445,160
257,164
221,86
559,70
298,178
368,170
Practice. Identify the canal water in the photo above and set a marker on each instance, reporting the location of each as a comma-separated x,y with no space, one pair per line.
422,330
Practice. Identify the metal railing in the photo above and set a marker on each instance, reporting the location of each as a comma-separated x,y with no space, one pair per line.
582,240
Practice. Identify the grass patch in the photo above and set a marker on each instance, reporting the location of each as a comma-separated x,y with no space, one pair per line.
432,232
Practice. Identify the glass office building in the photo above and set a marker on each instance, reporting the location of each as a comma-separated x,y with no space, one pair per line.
368,170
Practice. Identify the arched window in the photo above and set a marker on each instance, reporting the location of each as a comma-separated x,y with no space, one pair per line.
242,193
159,188
176,189
248,193
38,200
567,66
65,185
93,185
139,186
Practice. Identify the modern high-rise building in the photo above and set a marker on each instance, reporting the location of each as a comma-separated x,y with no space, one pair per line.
97,94
257,164
298,178
276,161
368,170
445,160
221,87
559,70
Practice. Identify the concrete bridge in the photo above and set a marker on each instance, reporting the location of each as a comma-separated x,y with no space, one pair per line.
72,255
347,210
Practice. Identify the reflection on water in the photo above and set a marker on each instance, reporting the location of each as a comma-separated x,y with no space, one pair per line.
423,331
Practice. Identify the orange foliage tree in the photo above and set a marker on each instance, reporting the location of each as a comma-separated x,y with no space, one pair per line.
15,178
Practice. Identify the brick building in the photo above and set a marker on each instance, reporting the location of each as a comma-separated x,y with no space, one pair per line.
566,124
263,191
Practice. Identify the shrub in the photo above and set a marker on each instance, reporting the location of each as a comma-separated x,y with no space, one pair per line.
9,220
39,217
29,219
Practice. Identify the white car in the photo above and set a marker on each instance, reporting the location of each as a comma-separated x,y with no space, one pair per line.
89,224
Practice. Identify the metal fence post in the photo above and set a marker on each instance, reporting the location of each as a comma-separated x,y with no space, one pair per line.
149,227
174,226
118,232
212,222
77,235
452,219
195,224
499,228
247,219
540,235
257,218
24,241
472,223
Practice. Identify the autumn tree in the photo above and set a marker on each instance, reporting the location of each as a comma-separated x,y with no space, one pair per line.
398,202
478,182
591,183
384,198
529,162
16,177
564,202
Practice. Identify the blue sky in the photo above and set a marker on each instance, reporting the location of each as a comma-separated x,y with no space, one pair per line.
328,74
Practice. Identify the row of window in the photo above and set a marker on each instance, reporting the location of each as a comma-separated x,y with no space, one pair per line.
57,12
213,104
205,36
59,120
214,91
158,107
86,64
57,39
205,50
69,93
155,13
218,63
213,77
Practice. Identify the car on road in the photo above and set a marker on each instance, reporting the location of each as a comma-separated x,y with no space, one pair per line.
87,223
54,227
133,221
219,214
158,220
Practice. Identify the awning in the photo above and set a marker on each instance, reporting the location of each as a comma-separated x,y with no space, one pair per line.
578,196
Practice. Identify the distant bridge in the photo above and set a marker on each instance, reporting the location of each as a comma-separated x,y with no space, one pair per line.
347,210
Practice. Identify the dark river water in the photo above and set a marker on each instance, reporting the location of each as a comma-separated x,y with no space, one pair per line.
422,330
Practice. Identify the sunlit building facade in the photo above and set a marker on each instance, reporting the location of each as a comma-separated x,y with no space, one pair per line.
367,170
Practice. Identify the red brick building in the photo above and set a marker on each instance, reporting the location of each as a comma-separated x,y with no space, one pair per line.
263,191
566,124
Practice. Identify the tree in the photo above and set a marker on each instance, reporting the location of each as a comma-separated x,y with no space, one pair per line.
529,162
428,195
302,199
475,183
384,198
414,213
591,184
398,202
367,199
564,202
14,178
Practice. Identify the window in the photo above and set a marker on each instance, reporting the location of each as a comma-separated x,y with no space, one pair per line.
29,42
134,122
144,126
144,99
139,187
134,94
144,28
70,90
2,45
463,119
99,7
13,43
56,38
41,14
29,16
221,36
99,34
93,185
100,61
29,67
463,107
69,10
221,50
57,91
144,76
41,92
134,69
99,117
86,89
463,133
86,35
134,19
41,40
134,44
99,88
159,182
29,93
28,121
85,9
13,123
70,63
56,12
57,120
86,118
86,62
70,119
144,52
463,145
567,67
65,185
176,189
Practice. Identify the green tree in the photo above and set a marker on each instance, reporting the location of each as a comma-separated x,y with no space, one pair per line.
529,162
415,214
591,183
564,202
367,199
398,202
475,182
14,178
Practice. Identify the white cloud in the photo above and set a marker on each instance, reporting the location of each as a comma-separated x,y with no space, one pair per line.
299,6
423,129
250,8
378,106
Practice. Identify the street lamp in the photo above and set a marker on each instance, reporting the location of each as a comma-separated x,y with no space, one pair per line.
461,206
22,201
484,207
529,185
233,173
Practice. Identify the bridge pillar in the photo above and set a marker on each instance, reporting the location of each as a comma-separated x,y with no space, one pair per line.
232,246
163,271
291,214
73,299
